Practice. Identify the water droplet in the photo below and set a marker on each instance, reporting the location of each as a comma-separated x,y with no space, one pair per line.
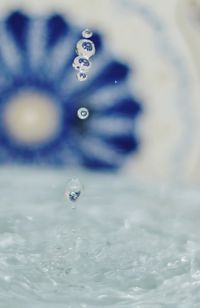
73,190
81,76
83,113
87,33
81,63
73,196
85,48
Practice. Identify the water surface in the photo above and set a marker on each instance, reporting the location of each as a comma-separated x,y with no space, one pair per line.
125,245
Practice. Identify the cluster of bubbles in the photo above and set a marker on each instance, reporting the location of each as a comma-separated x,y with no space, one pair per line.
73,190
85,49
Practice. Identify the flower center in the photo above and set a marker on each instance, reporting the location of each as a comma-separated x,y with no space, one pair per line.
31,118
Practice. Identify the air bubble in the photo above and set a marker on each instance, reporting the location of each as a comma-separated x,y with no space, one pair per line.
82,63
81,76
87,33
83,113
85,48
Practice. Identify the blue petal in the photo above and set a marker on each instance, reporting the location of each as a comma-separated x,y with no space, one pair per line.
96,164
113,71
97,40
124,144
57,29
17,23
128,107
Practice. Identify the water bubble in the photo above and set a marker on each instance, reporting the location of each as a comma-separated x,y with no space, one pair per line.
83,113
85,48
81,63
73,190
87,33
81,76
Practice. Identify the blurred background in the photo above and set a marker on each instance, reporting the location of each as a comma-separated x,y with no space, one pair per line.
142,92
133,240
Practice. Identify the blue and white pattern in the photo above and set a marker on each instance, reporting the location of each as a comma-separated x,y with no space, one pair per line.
36,55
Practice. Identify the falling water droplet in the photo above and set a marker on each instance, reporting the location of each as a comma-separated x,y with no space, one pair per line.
81,76
82,113
82,63
87,33
73,190
85,48
73,196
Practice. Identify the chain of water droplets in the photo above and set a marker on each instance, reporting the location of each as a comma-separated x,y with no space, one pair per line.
85,49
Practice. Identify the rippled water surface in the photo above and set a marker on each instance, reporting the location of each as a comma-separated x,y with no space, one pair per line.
125,245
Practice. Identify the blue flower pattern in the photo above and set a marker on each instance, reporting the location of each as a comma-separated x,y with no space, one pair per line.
36,53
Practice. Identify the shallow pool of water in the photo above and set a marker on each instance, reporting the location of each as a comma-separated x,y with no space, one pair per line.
125,245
